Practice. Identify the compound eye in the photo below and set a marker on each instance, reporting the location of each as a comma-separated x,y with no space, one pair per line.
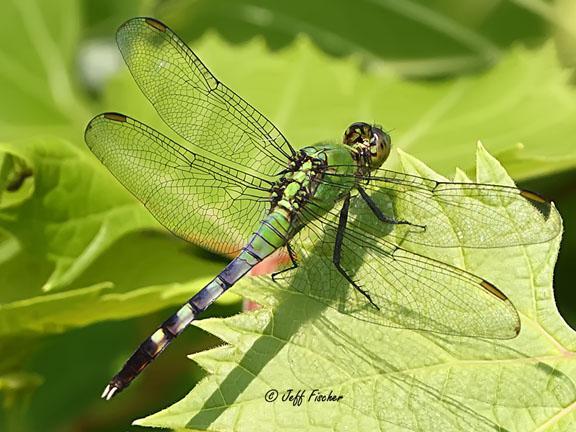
352,137
357,133
359,139
379,147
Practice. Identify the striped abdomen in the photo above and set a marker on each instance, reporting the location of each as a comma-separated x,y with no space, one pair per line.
270,236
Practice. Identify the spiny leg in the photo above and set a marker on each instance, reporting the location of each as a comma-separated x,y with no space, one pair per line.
343,220
292,256
381,216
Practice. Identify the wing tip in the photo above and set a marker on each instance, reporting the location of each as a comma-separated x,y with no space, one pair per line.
89,127
493,290
517,328
534,196
152,22
541,204
136,30
112,116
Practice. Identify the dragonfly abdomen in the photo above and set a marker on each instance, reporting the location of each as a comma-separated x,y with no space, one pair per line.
270,236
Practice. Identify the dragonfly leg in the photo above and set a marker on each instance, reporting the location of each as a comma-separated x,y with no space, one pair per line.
292,256
381,216
338,250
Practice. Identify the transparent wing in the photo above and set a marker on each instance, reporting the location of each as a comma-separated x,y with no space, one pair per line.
194,103
198,199
411,291
455,214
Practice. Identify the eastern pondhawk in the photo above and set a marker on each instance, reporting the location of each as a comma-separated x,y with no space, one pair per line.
236,169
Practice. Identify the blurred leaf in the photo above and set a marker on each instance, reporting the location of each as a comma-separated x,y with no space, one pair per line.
12,385
147,271
390,379
143,273
565,32
55,313
562,188
38,42
15,350
16,279
16,385
312,98
76,211
67,224
16,389
103,17
414,37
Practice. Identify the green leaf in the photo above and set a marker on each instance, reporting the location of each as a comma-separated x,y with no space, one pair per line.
413,37
565,34
55,313
391,379
65,219
18,382
38,45
143,273
312,97
16,388
76,211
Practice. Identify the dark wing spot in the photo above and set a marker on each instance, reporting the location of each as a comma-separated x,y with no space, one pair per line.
533,196
493,290
115,117
538,201
156,24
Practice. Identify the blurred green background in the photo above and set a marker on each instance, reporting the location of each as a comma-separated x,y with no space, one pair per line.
86,273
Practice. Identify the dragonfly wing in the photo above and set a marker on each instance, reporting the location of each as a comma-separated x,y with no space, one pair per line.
194,103
452,214
410,290
197,198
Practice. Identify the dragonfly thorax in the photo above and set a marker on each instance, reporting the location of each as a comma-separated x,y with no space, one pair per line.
298,182
371,145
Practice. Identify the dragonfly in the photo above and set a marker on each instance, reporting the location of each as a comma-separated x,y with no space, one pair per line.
235,185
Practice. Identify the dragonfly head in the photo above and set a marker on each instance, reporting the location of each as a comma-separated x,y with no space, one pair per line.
370,142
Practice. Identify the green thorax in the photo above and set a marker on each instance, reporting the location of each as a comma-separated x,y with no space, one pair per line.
304,187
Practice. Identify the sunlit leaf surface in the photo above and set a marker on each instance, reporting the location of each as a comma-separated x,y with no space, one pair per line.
393,380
